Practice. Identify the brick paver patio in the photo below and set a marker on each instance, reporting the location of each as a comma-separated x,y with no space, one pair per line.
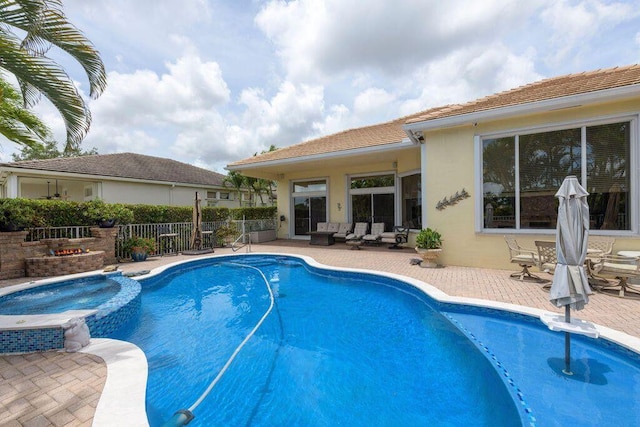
62,389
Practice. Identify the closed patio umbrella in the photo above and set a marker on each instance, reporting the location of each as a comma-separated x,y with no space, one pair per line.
196,235
570,287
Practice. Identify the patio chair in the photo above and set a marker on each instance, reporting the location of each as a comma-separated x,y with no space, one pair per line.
333,227
322,226
344,229
600,245
377,228
167,240
620,268
525,258
547,257
355,239
396,237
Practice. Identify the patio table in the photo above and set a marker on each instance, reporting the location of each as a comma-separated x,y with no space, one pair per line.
322,238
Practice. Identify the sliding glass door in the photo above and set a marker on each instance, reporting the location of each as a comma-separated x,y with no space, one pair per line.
309,206
373,208
373,199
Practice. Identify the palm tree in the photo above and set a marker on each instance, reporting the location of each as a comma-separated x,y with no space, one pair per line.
237,181
44,24
16,122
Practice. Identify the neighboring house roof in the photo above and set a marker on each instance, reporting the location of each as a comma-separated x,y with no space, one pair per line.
127,166
563,87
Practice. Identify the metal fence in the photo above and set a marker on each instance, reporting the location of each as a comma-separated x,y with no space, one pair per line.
169,237
72,232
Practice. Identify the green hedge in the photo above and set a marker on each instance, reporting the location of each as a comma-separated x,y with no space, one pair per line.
60,213
253,213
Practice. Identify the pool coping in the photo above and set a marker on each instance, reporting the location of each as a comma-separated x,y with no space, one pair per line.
124,393
125,388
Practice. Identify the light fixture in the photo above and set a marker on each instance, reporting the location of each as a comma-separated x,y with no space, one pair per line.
339,206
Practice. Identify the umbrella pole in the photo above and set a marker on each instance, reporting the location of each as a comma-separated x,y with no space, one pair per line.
567,343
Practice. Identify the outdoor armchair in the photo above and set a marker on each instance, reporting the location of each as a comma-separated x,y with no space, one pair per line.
547,256
396,237
600,245
616,267
360,230
377,228
525,258
344,229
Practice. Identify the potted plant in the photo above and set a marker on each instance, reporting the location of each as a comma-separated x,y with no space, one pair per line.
139,247
107,215
226,234
15,215
429,246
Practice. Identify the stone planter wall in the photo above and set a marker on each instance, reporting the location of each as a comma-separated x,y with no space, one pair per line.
48,266
14,251
262,236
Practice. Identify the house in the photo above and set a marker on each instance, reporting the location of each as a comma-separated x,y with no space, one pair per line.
509,152
116,178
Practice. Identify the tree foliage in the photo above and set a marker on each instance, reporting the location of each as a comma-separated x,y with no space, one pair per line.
17,123
49,150
28,30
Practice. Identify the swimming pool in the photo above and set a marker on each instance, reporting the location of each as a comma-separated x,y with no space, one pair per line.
359,349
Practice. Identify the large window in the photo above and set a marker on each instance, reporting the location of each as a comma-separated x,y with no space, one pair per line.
521,174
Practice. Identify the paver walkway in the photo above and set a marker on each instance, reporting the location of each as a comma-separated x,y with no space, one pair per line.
63,389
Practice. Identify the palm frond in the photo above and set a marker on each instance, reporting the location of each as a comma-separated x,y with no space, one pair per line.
50,79
44,22
16,122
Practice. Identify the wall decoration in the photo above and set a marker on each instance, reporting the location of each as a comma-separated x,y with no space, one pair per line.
455,198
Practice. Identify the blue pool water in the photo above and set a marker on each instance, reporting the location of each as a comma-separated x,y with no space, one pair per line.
356,349
86,294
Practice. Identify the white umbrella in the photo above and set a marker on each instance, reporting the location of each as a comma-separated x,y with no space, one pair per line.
570,287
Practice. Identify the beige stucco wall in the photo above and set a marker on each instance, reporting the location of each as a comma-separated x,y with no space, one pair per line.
450,167
336,176
156,194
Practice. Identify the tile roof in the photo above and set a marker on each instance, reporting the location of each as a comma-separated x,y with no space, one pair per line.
552,88
363,137
392,132
126,165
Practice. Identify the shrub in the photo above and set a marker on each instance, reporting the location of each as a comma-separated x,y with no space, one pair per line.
97,211
139,244
15,215
429,239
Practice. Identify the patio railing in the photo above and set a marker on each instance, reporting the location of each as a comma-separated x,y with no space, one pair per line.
170,237
71,232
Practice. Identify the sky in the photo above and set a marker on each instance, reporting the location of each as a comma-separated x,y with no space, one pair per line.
209,82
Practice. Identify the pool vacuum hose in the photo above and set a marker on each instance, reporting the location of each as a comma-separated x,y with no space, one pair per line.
184,416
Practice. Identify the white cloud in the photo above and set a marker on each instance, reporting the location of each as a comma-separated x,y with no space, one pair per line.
573,23
372,100
468,74
326,37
